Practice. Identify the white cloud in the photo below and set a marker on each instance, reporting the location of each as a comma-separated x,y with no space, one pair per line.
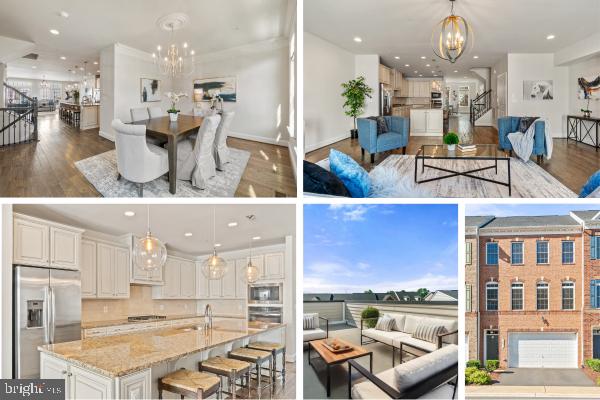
363,266
349,212
317,284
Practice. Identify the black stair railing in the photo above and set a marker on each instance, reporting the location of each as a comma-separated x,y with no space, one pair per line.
480,105
18,117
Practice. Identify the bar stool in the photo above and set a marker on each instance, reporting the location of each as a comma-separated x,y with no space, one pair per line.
229,368
275,349
76,116
197,385
258,358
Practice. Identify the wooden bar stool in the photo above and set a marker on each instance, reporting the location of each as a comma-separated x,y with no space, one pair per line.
258,358
186,383
275,349
229,368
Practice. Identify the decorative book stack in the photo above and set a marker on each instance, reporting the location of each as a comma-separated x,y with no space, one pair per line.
467,148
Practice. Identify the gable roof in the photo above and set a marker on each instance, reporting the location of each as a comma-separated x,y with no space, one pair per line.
586,215
478,221
541,221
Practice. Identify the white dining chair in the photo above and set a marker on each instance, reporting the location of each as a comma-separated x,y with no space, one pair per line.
139,114
156,112
195,160
220,149
137,160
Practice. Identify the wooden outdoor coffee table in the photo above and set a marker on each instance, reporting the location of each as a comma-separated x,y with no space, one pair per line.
331,358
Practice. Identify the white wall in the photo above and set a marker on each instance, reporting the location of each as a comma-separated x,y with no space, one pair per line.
367,65
500,68
523,67
6,277
262,72
2,80
588,69
326,67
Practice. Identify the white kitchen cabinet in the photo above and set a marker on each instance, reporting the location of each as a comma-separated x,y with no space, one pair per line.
202,290
418,121
84,384
188,279
180,280
215,288
141,276
259,262
54,368
228,281
121,272
241,286
274,266
65,246
112,266
30,243
88,269
426,122
136,386
172,277
435,121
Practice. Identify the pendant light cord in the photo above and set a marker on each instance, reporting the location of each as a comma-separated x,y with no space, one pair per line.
148,216
214,226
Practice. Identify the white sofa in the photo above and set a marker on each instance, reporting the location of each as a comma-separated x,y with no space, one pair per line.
400,337
432,376
317,333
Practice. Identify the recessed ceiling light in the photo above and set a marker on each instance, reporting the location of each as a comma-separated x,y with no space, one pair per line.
357,39
428,65
397,58
217,245
434,75
63,57
550,37
54,32
455,71
464,77
33,67
476,57
98,71
64,14
433,72
81,68
256,238
188,234
416,72
232,224
421,75
129,213
95,62
423,57
407,65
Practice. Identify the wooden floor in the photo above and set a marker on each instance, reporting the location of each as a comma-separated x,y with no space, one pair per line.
572,163
47,168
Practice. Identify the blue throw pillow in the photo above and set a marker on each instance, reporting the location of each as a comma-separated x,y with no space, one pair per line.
589,187
354,177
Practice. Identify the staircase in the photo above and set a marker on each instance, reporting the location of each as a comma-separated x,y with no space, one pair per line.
18,117
481,105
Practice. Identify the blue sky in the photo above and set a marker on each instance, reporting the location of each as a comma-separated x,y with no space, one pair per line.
509,210
354,247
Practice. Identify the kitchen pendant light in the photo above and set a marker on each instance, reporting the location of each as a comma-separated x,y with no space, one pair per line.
214,267
451,37
251,273
149,252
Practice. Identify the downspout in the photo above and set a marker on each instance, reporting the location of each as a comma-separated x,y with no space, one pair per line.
582,288
478,293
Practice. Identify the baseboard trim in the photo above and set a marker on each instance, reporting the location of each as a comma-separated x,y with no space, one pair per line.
107,136
327,142
261,139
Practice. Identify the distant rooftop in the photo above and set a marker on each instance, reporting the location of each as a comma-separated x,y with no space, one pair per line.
477,221
532,221
586,215
396,295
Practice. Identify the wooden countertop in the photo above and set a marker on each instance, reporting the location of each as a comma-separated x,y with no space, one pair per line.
120,355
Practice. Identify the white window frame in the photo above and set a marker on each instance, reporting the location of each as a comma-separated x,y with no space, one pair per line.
468,301
522,253
497,252
547,254
562,252
562,297
522,296
547,296
468,253
487,288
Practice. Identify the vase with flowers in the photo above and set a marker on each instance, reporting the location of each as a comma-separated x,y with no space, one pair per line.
175,98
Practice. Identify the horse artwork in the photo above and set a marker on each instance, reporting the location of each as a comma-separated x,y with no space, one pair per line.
538,90
588,89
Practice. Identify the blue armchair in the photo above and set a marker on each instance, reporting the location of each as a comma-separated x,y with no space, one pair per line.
507,125
396,138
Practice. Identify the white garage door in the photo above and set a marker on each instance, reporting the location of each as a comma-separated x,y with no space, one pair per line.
542,350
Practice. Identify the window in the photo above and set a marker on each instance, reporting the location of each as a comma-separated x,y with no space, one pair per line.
468,253
542,296
468,298
595,250
491,294
595,293
568,251
516,295
568,296
516,253
491,253
542,252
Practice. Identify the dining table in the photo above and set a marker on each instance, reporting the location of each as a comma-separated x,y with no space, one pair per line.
172,132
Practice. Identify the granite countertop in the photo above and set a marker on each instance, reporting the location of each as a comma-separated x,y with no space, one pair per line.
120,355
124,321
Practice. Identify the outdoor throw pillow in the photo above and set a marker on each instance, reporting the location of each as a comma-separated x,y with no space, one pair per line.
319,180
385,323
354,177
309,322
428,332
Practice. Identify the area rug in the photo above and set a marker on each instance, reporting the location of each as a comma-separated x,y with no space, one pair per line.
528,179
101,171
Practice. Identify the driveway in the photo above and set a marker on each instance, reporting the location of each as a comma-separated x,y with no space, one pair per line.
544,377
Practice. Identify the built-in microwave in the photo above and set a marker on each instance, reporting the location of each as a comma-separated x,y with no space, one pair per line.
436,95
265,293
265,314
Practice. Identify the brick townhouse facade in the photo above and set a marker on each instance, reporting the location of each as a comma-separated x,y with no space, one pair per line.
533,289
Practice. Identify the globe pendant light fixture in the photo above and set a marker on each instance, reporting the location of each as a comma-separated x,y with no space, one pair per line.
214,267
451,37
149,252
251,273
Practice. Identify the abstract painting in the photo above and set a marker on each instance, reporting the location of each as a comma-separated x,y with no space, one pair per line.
538,90
150,90
223,87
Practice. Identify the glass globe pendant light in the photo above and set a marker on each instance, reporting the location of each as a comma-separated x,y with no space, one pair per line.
149,252
251,273
451,37
214,267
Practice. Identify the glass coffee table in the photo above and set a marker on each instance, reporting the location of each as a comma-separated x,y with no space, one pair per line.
482,152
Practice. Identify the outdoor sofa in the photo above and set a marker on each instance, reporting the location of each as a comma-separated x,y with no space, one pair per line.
316,333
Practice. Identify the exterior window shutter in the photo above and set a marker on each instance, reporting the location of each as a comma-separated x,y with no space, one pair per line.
594,249
594,293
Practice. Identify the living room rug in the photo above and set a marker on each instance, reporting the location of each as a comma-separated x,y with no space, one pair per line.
101,171
528,179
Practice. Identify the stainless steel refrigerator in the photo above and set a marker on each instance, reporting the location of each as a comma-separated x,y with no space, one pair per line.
46,310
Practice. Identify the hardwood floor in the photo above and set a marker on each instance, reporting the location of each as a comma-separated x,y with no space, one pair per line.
572,163
280,392
47,168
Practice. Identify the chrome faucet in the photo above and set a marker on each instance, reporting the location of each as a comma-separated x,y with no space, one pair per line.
208,314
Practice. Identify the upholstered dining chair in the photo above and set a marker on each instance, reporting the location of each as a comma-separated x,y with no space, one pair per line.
137,160
156,112
220,149
195,160
142,114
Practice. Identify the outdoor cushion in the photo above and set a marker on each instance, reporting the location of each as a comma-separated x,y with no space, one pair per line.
418,343
428,331
383,336
421,368
451,325
311,321
399,324
411,322
314,334
385,323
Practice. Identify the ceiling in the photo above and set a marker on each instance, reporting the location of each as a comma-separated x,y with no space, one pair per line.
93,25
403,28
170,222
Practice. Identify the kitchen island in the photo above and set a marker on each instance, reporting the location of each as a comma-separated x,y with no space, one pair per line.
128,366
89,114
427,122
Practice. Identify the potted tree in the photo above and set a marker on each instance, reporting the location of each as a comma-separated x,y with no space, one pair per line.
355,92
451,140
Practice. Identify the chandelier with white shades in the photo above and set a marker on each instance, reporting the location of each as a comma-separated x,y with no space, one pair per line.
177,60
451,37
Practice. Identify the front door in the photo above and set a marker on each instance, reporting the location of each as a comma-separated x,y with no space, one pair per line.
491,345
596,343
